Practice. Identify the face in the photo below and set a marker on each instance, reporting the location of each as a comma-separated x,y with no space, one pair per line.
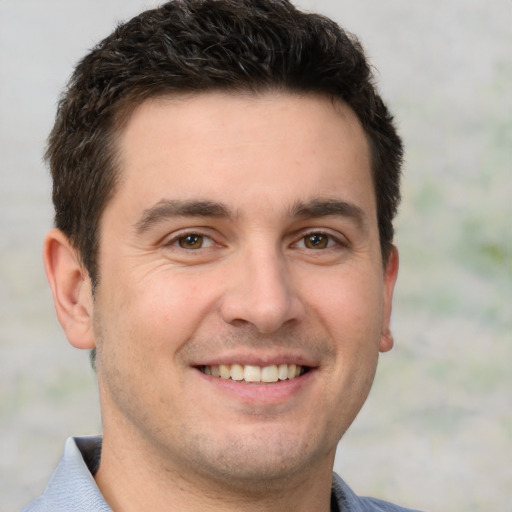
242,299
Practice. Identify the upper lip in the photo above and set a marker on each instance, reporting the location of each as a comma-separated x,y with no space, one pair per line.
258,358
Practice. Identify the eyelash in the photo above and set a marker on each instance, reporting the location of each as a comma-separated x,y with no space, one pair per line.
331,240
175,241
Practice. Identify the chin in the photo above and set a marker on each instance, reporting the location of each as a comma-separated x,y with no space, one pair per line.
264,459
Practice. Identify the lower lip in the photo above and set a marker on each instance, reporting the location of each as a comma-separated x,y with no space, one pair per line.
260,393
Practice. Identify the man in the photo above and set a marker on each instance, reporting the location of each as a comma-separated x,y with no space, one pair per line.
225,180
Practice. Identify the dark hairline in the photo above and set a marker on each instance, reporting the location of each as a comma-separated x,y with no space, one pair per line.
117,76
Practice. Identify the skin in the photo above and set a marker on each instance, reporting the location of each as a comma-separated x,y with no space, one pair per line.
259,178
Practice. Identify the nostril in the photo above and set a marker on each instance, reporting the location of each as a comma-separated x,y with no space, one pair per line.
264,295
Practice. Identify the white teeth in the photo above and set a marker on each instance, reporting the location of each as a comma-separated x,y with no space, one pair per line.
225,371
237,372
269,374
283,371
250,373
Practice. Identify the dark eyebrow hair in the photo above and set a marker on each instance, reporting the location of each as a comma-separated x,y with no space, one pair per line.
167,208
326,207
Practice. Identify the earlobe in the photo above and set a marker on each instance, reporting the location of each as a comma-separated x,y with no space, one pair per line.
386,340
390,275
71,289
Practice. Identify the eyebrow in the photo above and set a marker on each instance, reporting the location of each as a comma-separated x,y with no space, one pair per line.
330,207
167,209
170,208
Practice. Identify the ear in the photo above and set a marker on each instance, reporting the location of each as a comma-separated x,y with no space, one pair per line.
390,275
71,289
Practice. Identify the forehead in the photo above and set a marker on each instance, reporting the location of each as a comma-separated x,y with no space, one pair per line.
274,148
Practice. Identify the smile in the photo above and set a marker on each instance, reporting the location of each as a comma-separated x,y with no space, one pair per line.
250,373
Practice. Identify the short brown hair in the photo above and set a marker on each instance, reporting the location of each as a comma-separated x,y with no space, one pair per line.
201,45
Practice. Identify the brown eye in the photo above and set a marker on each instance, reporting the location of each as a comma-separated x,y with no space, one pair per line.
191,241
316,241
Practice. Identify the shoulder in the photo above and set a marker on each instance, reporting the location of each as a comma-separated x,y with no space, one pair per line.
72,486
374,504
36,506
349,501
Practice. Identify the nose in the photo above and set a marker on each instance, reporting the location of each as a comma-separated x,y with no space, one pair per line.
261,293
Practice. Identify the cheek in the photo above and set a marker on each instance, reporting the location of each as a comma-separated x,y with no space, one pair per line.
163,309
350,305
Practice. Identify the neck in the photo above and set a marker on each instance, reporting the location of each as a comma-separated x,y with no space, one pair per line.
130,482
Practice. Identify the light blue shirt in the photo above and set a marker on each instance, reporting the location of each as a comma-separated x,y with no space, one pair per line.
72,487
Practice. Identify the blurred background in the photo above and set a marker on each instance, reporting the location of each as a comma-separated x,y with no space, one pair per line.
436,432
